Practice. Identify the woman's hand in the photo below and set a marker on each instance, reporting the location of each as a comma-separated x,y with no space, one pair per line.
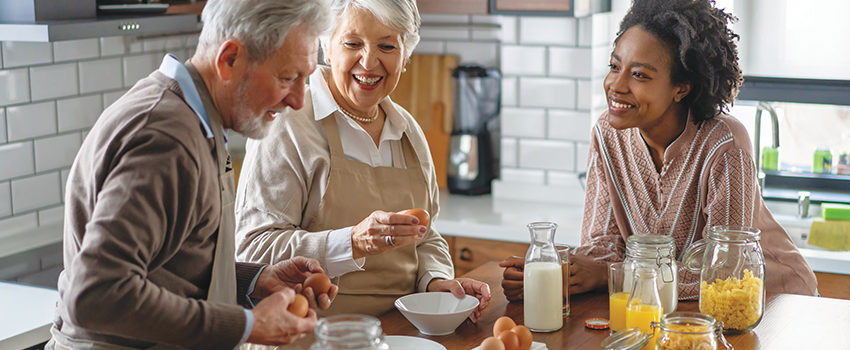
512,277
461,286
587,274
382,231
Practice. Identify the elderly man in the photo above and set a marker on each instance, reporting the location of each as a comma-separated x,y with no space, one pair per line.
149,242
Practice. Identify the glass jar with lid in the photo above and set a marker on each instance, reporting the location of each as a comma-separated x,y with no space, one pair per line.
731,267
658,252
349,332
675,331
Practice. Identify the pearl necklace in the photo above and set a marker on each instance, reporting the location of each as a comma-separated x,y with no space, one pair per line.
361,119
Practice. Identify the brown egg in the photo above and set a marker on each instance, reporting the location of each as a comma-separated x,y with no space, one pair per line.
502,324
421,214
492,343
524,336
319,282
510,340
299,306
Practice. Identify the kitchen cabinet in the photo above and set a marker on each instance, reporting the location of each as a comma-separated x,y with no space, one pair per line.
474,7
833,285
469,253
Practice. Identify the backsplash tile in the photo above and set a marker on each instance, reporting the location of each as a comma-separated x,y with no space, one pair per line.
548,30
19,53
2,125
110,97
546,154
100,75
17,159
138,67
523,122
113,46
509,152
523,60
51,216
527,176
14,86
444,33
483,53
547,92
75,50
5,199
29,121
35,192
569,125
63,180
59,80
79,112
56,152
570,62
582,152
509,91
18,224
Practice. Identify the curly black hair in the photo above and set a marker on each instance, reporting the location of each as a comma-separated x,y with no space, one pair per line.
702,48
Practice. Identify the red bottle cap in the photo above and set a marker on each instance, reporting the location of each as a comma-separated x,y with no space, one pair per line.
596,323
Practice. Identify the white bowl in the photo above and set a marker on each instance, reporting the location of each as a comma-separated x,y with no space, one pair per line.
436,313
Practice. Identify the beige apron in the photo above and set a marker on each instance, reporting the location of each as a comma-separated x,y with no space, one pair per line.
223,281
353,192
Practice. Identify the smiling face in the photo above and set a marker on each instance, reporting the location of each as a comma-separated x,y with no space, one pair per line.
638,86
268,87
366,60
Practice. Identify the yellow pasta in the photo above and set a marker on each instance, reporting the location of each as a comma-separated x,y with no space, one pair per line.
735,302
686,337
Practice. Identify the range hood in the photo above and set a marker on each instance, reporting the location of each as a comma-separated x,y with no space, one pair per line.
59,30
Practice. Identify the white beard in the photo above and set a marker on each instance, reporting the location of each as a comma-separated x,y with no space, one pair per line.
245,122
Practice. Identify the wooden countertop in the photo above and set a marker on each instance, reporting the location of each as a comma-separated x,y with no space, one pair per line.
790,321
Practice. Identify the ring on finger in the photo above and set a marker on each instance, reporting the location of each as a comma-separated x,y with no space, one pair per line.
389,240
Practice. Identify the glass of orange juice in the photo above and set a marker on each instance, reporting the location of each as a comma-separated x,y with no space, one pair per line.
618,297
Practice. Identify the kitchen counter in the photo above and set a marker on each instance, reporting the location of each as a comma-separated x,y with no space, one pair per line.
27,313
485,217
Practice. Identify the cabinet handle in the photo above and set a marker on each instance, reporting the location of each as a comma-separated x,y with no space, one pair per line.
465,254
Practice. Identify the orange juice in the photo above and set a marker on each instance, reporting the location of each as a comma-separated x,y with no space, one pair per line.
617,311
640,316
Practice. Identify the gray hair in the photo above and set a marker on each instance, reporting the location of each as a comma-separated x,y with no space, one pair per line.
400,15
260,25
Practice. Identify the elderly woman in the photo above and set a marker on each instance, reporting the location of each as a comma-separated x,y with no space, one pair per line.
665,158
328,180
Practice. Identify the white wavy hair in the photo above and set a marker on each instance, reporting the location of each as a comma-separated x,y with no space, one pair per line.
400,15
260,25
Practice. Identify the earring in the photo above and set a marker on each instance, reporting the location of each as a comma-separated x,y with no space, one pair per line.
404,69
328,60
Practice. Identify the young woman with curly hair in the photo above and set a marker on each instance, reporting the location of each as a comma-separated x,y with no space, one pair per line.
665,158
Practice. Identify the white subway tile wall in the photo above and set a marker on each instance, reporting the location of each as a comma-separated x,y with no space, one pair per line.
571,62
547,92
523,60
547,154
582,152
17,159
56,152
482,53
35,192
19,54
526,176
548,30
50,96
509,153
28,121
5,199
529,123
75,50
78,112
569,125
509,92
53,81
100,75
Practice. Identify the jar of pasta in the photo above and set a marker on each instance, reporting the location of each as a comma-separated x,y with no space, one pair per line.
689,331
659,253
731,267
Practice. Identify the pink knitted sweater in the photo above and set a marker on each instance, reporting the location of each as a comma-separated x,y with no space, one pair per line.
708,178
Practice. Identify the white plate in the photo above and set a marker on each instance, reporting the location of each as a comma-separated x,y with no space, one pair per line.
404,342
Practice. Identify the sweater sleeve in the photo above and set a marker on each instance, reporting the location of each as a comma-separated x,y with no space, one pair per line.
600,236
133,228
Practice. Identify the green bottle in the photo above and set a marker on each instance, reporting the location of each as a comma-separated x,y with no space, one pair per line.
822,161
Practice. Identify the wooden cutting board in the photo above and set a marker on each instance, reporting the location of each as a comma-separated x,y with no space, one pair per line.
426,90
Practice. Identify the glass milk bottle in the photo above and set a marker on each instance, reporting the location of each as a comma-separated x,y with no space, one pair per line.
644,305
542,280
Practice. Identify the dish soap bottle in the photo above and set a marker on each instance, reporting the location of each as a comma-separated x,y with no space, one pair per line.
542,280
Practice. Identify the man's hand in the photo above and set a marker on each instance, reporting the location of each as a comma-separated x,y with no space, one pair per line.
274,325
459,287
291,273
512,277
587,274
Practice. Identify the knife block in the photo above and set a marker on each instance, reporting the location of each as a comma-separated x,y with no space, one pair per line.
31,11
